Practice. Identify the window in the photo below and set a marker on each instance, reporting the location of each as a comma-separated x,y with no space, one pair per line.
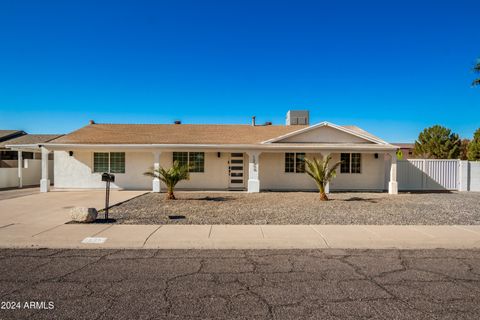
300,162
195,160
345,166
289,162
112,162
356,162
295,162
351,162
100,162
117,162
181,157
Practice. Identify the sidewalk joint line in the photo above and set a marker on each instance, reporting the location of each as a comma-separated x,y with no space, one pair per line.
321,235
210,231
151,234
261,229
49,229
7,225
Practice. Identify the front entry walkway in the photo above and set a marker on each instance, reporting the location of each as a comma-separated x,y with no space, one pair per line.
38,220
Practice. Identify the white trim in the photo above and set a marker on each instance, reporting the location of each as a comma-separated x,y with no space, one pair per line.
239,147
326,124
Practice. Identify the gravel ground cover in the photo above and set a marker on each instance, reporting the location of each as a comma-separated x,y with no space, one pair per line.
301,208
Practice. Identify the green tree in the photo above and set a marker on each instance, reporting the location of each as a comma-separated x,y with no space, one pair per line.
437,142
170,176
464,149
473,153
476,69
321,173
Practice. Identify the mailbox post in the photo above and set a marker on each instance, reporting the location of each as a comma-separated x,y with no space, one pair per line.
107,177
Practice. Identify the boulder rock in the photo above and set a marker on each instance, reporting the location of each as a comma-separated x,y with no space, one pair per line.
82,214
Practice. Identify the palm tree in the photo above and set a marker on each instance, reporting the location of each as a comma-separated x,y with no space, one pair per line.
476,69
321,173
170,176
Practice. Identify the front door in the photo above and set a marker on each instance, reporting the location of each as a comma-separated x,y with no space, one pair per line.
235,171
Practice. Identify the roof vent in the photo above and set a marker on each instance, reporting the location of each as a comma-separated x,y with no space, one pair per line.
177,122
298,117
253,121
268,123
91,122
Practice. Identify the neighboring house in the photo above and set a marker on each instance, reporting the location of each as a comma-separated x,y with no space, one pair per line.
238,157
9,158
7,154
406,149
21,166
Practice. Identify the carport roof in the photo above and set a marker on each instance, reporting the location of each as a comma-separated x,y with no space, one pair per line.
29,139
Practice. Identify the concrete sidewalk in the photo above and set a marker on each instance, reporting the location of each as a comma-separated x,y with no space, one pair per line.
38,220
240,236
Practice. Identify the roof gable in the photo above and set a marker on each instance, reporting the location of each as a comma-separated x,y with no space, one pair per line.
327,133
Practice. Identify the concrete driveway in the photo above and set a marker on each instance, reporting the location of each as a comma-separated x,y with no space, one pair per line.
27,216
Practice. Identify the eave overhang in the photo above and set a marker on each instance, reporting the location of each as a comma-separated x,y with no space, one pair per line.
215,147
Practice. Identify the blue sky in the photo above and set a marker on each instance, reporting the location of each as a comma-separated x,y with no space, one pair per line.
391,67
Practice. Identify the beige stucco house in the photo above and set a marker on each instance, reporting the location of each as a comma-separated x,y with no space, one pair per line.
225,157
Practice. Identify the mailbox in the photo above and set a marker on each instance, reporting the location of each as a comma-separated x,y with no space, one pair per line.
108,177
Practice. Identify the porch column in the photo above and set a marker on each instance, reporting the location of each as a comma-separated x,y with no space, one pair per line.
44,182
327,187
393,184
253,170
20,169
156,166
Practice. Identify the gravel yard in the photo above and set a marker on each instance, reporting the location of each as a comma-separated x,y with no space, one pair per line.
301,208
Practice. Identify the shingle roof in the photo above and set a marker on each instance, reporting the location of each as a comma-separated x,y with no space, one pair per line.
173,134
29,139
5,134
179,134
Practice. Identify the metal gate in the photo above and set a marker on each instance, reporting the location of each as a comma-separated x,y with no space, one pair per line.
427,174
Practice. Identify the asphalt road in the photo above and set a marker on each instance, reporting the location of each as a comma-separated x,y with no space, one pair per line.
195,284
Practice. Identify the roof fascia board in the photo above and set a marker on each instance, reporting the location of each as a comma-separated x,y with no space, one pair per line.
278,147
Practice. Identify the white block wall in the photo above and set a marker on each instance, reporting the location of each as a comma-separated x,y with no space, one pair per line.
31,172
474,176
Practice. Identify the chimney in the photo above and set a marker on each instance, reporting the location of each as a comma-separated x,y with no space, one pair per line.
177,122
298,117
91,122
253,121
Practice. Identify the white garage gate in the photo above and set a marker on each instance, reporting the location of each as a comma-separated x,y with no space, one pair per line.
428,174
